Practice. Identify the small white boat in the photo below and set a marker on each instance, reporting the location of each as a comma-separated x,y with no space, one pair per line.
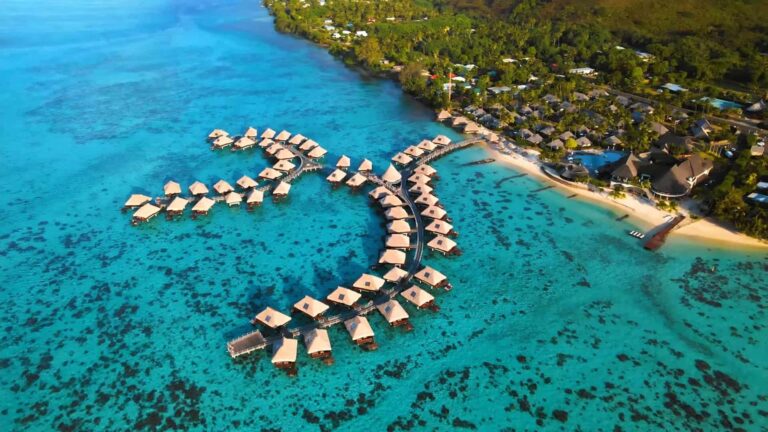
637,234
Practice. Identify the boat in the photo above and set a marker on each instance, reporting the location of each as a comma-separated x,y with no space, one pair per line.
637,234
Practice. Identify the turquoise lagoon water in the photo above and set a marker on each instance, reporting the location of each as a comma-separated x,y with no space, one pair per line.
558,320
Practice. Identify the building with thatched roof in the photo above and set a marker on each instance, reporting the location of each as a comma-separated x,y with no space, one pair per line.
360,330
398,241
246,182
392,257
271,318
419,178
284,135
317,152
176,206
136,200
216,133
250,133
458,122
426,200
395,275
398,226
356,180
443,245
145,213
274,148
471,127
233,199
284,166
202,206
439,227
434,212
441,140
243,143
221,142
443,115
379,192
318,343
311,307
391,200
308,145
368,283
284,154
284,352
365,166
268,134
281,190
266,143
414,151
393,312
343,296
396,213
270,174
171,188
425,170
419,297
336,176
297,139
391,175
198,189
222,187
344,162
427,145
431,277
402,159
255,197
420,188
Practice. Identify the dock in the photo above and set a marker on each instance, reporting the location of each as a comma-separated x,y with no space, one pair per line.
658,239
480,162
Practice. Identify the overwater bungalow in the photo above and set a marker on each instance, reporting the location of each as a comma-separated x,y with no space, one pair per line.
246,182
171,189
336,177
396,213
176,207
233,199
379,192
368,283
317,152
420,188
441,227
266,143
274,148
344,297
420,298
398,241
361,332
202,207
268,134
221,142
308,145
458,122
419,178
243,143
427,200
281,191
222,187
444,245
255,198
284,154
270,174
443,115
297,139
318,345
402,159
356,181
434,212
283,136
198,189
135,201
284,352
392,257
144,213
271,318
284,166
395,275
217,133
425,170
395,315
414,151
398,226
471,127
250,133
427,146
344,162
311,307
365,166
391,200
441,140
392,175
433,278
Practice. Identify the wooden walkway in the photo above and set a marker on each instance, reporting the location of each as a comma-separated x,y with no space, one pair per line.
249,343
658,239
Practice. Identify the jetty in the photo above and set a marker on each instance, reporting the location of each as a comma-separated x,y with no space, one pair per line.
658,239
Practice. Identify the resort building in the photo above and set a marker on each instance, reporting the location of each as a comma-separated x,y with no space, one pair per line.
444,245
233,199
390,200
311,307
368,283
246,182
356,181
221,142
398,226
284,166
419,297
442,140
216,133
402,159
270,174
391,175
250,133
427,146
432,277
243,143
271,318
222,187
171,189
398,241
440,227
308,145
365,166
318,344
680,179
176,207
281,190
337,176
255,198
396,213
420,188
317,152
343,296
202,206
394,313
392,257
136,200
268,134
343,163
145,213
284,352
283,136
360,331
434,212
395,275
297,139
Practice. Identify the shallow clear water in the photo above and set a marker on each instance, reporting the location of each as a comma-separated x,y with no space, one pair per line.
555,311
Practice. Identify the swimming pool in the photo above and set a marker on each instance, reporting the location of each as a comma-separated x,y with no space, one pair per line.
720,103
593,161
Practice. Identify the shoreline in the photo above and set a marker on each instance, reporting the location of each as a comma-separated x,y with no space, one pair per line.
706,231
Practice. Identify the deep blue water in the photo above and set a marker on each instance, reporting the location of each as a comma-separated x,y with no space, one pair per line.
555,312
